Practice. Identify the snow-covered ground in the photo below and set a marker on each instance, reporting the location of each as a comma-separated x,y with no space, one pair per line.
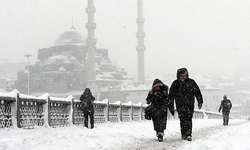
207,134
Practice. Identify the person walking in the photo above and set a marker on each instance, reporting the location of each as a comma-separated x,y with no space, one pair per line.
87,107
183,91
158,100
226,106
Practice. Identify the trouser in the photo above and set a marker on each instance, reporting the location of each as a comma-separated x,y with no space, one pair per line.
185,116
225,118
87,115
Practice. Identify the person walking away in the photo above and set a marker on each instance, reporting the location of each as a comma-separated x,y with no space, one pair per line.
87,100
183,91
158,99
226,106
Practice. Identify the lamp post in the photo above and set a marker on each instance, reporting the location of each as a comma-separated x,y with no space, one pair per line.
28,56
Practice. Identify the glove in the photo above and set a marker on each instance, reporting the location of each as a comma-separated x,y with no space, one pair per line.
199,106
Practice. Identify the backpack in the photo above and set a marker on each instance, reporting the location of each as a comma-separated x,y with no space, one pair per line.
227,105
85,103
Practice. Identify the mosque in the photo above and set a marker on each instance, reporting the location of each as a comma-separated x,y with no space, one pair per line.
63,67
74,63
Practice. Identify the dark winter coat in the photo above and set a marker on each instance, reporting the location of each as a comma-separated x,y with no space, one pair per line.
158,101
184,92
225,105
87,101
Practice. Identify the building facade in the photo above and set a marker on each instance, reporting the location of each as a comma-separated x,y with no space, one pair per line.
64,67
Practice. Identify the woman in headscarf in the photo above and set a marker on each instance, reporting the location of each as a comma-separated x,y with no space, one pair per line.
87,100
158,99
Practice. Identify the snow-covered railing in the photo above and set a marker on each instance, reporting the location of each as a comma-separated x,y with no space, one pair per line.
59,111
30,111
113,112
24,111
6,105
200,114
214,115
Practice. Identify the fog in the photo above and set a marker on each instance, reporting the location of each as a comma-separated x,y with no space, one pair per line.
211,38
204,36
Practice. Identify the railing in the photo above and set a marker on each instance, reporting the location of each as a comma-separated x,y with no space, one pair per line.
24,111
30,111
6,115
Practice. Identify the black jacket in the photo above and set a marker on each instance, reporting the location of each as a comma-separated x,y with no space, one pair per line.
87,100
159,98
184,92
225,105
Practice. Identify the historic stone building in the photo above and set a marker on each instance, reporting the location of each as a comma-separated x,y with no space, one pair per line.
63,67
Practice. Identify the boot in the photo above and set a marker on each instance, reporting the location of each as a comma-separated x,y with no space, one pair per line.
92,122
184,137
92,126
189,138
86,123
160,136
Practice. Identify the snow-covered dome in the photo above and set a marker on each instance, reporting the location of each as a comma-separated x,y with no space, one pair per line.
142,87
73,58
71,37
62,69
60,56
130,87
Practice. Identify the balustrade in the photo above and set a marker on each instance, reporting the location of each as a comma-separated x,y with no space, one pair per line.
78,118
24,111
5,112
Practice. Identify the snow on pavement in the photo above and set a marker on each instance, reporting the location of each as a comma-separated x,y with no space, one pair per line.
207,134
233,137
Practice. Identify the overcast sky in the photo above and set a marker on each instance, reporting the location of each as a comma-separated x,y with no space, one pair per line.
210,34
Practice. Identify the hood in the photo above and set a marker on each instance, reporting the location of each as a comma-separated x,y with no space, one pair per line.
157,81
182,70
87,91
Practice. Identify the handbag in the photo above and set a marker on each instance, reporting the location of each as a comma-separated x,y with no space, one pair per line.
148,112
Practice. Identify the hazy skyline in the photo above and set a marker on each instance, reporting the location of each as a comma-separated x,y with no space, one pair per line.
194,34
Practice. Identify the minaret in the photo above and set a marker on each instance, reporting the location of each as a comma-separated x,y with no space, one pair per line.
91,41
140,39
72,27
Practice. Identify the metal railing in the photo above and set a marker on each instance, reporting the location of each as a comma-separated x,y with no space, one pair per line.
24,111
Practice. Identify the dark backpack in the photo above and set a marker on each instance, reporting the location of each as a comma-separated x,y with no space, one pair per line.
227,105
86,103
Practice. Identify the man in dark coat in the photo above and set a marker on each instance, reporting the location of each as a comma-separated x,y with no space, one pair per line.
158,99
226,106
87,107
184,90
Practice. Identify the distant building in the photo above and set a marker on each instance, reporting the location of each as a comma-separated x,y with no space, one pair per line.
245,108
236,111
129,93
63,67
8,74
211,97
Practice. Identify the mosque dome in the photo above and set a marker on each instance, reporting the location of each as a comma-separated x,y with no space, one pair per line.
71,37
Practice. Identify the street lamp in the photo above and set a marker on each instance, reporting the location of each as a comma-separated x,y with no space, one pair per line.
28,56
